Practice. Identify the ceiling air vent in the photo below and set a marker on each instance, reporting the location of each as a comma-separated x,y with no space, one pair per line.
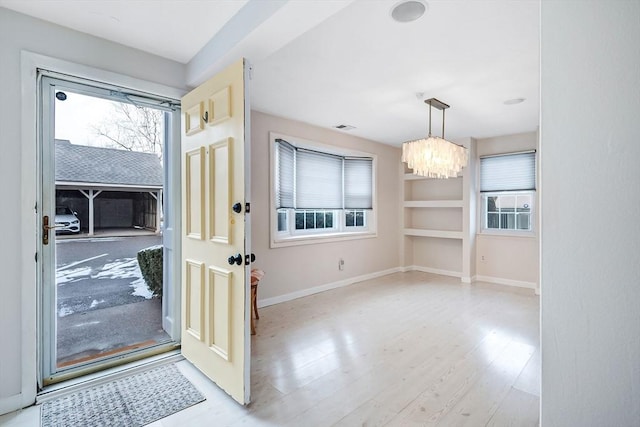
344,127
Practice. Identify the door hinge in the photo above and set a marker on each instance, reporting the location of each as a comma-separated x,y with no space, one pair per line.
36,257
247,207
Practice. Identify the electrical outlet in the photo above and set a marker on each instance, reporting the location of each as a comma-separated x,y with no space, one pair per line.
341,264
482,258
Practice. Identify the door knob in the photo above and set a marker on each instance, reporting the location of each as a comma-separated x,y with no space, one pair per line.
45,229
235,259
237,208
253,257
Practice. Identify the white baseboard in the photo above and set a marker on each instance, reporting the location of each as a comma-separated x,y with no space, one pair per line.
507,282
465,279
317,289
11,403
433,271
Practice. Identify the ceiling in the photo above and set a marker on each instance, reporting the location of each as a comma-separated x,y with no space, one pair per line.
342,61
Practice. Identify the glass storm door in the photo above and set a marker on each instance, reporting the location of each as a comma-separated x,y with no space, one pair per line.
107,209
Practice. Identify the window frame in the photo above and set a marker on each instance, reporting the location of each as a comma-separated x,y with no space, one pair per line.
506,231
339,231
482,204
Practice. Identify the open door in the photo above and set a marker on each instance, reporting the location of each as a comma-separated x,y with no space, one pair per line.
216,230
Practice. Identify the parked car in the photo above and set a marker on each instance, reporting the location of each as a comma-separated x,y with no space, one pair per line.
66,220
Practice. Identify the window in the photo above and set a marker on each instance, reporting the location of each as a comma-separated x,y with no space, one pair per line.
508,211
507,186
320,192
314,220
354,218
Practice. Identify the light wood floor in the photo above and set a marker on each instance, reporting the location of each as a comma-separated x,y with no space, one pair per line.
402,350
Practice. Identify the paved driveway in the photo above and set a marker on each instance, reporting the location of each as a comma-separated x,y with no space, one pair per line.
102,302
100,272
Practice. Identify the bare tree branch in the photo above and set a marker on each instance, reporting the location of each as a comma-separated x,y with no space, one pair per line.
132,128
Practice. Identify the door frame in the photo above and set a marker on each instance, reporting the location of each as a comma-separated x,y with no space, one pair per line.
30,63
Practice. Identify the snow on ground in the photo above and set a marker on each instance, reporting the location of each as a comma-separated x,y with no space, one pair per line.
64,311
95,303
72,275
124,268
141,289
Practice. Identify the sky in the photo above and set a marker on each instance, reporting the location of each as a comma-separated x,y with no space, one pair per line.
76,115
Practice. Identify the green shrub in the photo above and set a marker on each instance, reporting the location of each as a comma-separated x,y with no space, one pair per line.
150,261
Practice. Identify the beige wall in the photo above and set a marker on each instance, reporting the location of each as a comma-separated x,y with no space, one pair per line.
19,33
298,269
508,259
444,255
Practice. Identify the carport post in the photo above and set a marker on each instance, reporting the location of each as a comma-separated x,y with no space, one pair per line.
91,196
158,197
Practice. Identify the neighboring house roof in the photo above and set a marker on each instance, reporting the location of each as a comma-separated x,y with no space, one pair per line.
84,164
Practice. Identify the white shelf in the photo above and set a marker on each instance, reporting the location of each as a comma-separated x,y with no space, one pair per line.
436,215
411,177
442,234
433,203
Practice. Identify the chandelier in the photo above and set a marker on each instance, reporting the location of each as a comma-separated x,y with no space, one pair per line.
434,156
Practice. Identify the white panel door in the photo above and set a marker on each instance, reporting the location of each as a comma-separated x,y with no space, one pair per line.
215,241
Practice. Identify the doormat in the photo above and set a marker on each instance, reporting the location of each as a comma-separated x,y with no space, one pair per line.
131,401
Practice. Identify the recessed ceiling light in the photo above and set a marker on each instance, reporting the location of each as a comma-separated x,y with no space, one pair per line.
408,10
514,101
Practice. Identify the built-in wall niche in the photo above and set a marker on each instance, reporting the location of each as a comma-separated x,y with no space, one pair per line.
438,229
446,219
433,189
434,224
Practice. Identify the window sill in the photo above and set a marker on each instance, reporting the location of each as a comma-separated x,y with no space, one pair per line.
505,233
321,238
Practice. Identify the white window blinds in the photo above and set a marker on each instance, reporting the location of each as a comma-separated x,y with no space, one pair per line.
307,179
358,175
285,172
318,180
508,172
